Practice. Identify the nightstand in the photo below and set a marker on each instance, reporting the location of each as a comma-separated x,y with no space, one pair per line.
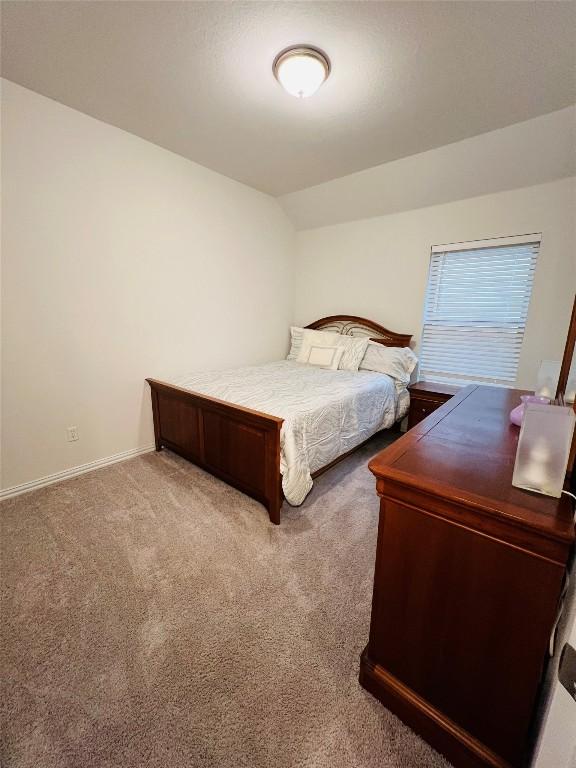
426,397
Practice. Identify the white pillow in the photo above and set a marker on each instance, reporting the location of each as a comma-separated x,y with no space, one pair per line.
295,342
398,362
321,355
354,348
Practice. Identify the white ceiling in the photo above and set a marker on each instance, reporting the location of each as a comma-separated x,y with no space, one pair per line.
195,77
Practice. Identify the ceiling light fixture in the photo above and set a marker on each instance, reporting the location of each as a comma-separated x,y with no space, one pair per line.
301,70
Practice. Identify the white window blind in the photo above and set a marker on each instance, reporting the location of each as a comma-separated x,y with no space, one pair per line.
476,307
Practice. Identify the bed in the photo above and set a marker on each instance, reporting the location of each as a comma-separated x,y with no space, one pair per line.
219,420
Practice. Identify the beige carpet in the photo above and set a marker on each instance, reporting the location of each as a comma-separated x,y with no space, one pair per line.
152,616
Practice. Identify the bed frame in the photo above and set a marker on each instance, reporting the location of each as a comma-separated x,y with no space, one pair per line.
239,445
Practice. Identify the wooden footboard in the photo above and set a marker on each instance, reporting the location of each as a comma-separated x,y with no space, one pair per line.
239,445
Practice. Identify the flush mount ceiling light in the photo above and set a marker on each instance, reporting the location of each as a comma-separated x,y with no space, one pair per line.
301,70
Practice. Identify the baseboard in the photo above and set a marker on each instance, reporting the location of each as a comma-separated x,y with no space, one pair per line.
32,485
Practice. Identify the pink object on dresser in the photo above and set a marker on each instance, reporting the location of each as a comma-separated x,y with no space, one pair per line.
517,414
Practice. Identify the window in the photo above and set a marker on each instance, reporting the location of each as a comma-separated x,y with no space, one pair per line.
476,307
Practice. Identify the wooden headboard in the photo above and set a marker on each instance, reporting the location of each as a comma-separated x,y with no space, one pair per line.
350,325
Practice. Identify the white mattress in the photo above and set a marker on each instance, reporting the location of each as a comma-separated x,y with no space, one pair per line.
326,413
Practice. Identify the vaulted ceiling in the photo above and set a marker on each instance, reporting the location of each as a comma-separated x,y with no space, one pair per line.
196,78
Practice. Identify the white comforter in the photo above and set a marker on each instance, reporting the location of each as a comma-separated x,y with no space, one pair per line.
326,413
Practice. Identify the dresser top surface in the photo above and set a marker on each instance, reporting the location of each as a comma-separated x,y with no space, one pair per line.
466,450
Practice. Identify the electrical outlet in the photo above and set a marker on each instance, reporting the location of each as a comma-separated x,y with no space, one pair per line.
72,434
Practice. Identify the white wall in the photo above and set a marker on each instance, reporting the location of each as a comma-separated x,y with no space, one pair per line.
120,260
520,155
378,268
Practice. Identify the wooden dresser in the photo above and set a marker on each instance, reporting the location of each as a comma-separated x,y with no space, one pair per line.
468,575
